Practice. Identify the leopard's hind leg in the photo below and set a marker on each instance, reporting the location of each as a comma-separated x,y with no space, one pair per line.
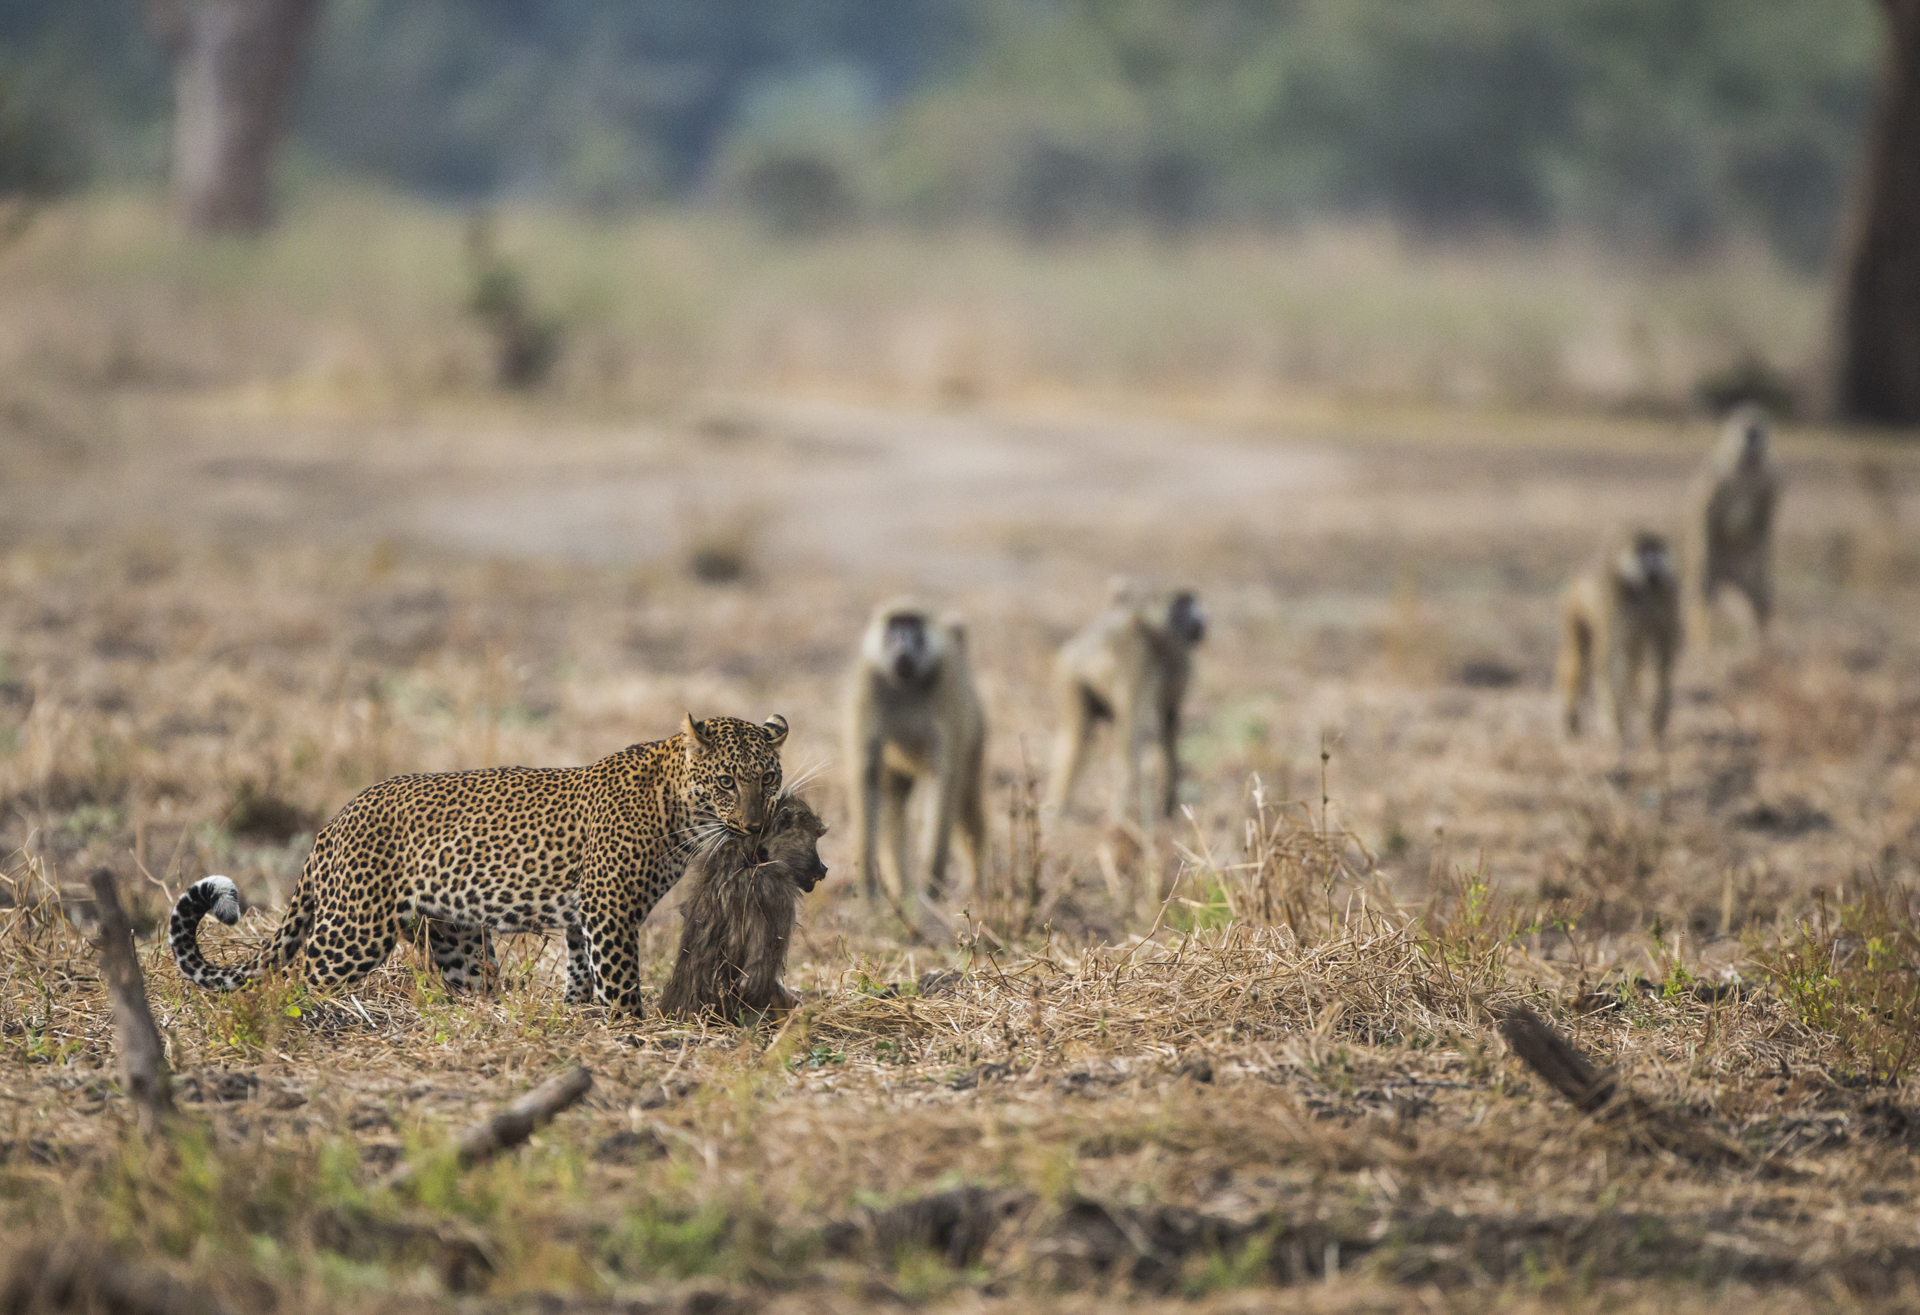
343,948
464,954
579,965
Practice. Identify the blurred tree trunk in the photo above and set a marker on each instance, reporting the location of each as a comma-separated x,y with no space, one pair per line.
1877,356
236,65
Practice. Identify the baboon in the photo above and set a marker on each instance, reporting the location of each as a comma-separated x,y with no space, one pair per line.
1129,667
1730,528
738,917
1622,611
914,717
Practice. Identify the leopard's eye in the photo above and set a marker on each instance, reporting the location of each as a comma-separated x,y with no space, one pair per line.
769,778
726,783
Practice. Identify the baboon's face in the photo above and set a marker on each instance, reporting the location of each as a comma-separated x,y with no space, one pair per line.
1745,438
1184,618
907,651
1649,562
794,846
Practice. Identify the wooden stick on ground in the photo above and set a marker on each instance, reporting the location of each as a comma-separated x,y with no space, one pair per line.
512,1123
143,1059
1599,1093
1554,1058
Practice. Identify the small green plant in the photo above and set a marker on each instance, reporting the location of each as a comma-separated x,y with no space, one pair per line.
819,1056
1852,970
1469,926
1229,1271
1213,908
526,343
921,1274
714,1237
256,1018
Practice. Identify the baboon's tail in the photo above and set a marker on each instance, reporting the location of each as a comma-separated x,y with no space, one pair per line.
216,895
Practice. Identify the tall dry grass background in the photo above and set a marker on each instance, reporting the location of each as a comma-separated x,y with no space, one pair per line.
270,535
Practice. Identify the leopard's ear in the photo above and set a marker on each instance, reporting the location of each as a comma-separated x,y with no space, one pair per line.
776,729
696,733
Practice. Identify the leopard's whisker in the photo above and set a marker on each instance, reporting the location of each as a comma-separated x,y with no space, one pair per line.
804,775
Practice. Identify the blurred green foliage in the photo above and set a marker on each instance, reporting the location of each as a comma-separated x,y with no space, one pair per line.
33,154
1671,122
1665,123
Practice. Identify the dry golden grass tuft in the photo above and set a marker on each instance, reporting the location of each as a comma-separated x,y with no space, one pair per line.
250,564
1320,1097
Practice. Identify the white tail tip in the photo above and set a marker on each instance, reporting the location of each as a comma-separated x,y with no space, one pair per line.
226,898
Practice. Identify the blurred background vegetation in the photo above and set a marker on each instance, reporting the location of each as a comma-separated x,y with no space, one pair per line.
1631,204
1665,124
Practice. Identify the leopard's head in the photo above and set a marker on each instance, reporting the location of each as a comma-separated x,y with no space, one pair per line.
733,770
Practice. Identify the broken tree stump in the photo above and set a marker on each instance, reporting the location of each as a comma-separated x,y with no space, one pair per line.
513,1122
143,1058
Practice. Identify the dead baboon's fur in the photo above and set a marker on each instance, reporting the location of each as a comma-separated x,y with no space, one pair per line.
738,918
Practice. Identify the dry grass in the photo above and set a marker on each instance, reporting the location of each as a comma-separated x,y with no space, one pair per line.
359,300
1181,1066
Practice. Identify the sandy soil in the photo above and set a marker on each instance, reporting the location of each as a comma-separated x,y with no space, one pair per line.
1379,585
221,615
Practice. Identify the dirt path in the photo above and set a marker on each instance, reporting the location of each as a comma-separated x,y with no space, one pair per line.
936,500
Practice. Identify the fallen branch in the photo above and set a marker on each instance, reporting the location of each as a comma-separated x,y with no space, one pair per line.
512,1123
143,1059
1556,1060
1599,1092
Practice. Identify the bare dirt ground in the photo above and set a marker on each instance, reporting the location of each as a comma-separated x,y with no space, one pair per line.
223,613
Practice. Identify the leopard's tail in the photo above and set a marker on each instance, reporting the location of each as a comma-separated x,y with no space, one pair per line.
216,895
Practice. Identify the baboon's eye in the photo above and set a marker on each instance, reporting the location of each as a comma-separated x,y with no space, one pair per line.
726,782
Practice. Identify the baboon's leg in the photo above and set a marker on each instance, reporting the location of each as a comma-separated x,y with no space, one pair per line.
1618,686
1642,650
1132,803
1697,593
1170,759
1759,587
1664,652
1069,747
866,818
947,786
1573,676
972,818
895,787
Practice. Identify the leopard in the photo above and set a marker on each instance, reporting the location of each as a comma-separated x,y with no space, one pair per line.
737,918
588,851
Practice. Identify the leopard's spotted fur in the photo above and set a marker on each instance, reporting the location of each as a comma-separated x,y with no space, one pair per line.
589,850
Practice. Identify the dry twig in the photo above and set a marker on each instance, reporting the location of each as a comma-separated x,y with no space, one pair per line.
1556,1060
512,1123
143,1059
1598,1092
